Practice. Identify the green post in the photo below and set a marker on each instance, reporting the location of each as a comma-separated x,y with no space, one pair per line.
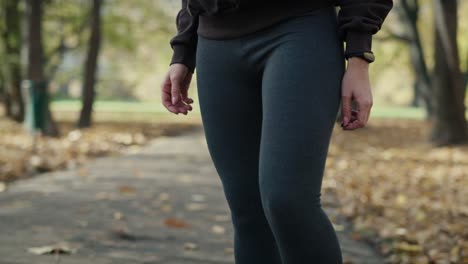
35,98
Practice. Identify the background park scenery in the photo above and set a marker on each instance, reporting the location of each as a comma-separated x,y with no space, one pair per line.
86,74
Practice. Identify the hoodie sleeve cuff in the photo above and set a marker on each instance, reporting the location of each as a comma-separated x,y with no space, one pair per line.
358,41
184,55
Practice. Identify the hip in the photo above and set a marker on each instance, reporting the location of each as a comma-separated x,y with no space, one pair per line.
310,36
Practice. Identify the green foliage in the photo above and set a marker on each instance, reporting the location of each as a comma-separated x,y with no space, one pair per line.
135,46
132,33
65,27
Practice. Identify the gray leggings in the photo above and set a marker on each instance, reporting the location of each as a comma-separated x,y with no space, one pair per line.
268,102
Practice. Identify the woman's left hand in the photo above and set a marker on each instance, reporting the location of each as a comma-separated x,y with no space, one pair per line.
356,87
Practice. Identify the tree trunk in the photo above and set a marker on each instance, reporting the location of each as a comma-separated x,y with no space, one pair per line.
2,92
449,121
90,67
5,97
422,87
14,105
36,58
422,83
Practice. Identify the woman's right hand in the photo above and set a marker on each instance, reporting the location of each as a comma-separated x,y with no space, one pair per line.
174,89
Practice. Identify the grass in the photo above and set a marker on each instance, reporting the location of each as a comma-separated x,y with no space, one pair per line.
155,109
121,111
398,112
112,106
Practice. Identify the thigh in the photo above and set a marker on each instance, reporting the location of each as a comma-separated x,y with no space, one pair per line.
230,105
301,93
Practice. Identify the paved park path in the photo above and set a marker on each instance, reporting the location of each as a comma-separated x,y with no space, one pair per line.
162,203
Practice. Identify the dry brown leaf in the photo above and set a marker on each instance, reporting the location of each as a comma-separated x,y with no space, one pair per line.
175,223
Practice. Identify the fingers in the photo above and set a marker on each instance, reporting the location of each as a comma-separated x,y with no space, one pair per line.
346,109
184,101
166,95
174,90
366,106
356,89
362,115
184,92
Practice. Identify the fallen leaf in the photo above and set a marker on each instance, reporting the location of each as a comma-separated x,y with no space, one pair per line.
164,196
195,206
190,246
217,229
198,197
175,223
59,248
118,216
127,189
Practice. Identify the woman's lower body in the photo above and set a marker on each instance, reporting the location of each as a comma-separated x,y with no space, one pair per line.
268,102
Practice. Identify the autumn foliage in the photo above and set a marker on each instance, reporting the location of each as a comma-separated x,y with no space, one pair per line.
401,193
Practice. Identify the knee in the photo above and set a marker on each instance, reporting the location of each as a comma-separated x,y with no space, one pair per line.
247,215
286,204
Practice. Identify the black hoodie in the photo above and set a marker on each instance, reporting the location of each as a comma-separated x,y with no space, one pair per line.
358,20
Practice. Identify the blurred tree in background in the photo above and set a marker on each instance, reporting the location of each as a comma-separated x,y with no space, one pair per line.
442,89
449,85
11,68
408,12
90,67
122,56
48,40
35,65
